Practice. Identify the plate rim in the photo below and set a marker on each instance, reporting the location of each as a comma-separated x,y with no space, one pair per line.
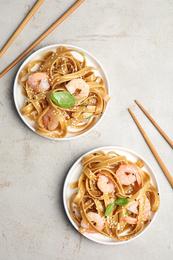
55,46
78,161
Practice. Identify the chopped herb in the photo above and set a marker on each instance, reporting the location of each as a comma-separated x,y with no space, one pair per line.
89,117
127,214
83,53
83,104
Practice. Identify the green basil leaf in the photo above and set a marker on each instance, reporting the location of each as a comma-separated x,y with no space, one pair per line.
122,201
109,208
89,117
63,99
83,53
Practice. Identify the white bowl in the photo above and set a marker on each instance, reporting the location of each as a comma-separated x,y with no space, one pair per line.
74,174
19,98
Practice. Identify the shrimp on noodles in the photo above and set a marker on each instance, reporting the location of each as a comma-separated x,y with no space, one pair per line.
39,82
96,220
128,174
134,209
50,120
79,88
105,184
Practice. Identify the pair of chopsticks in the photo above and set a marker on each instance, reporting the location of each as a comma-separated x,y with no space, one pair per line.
45,34
155,153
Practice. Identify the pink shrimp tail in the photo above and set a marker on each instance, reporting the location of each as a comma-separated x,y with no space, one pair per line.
138,179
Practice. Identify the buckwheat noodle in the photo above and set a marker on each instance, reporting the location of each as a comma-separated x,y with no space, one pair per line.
62,66
89,198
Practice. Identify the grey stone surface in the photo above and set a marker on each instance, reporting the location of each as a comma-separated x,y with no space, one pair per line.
134,42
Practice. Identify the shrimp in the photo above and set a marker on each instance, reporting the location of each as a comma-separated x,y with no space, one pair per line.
128,174
50,120
39,81
130,220
105,184
134,209
87,229
147,209
79,88
96,220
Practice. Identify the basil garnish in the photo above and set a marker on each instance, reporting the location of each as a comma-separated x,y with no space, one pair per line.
63,99
122,201
119,202
109,208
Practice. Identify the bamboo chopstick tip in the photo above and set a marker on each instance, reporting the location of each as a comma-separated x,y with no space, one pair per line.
135,100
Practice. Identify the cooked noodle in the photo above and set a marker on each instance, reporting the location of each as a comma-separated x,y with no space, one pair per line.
89,198
62,67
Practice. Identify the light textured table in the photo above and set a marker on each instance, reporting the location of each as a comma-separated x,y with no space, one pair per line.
133,39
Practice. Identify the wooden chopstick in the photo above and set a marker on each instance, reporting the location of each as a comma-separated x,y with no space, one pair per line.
155,124
46,33
155,153
20,28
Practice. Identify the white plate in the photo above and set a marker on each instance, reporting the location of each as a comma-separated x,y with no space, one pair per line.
19,99
74,174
